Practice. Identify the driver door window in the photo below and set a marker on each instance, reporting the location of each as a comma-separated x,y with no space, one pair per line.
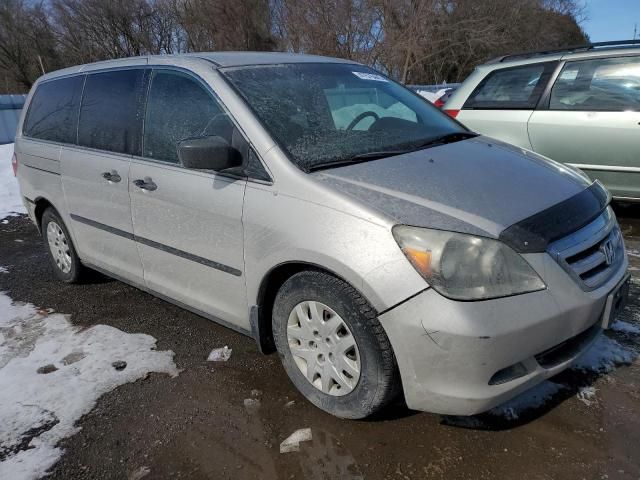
178,108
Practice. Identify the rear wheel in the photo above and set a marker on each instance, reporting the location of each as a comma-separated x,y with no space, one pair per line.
332,345
65,261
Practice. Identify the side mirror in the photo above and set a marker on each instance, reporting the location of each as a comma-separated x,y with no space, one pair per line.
208,153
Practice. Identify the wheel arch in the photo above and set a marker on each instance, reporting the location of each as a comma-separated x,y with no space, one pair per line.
41,204
261,312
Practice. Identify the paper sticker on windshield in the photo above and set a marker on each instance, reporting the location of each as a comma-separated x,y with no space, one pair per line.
370,76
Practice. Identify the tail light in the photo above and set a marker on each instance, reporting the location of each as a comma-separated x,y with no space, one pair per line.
439,103
452,113
14,164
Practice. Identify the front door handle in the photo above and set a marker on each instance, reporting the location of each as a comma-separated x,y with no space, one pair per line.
111,176
146,184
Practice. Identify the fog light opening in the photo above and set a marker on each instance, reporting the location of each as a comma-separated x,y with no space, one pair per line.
508,374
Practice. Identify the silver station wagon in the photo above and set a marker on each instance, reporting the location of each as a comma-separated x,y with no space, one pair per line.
329,213
578,105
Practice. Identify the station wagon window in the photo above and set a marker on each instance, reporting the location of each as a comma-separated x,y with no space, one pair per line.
110,114
53,112
516,88
179,107
606,84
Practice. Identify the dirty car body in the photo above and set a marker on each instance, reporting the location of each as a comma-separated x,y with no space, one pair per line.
489,268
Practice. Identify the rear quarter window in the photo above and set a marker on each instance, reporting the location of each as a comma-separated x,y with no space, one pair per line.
53,111
112,110
603,84
515,88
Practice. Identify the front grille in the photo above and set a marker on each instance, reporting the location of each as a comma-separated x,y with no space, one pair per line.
593,254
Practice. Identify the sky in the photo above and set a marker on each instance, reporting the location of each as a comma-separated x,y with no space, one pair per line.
611,19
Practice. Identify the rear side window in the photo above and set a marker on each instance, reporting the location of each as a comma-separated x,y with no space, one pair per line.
111,111
179,107
53,112
607,84
517,88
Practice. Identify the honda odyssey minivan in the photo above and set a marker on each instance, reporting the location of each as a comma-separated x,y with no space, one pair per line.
331,214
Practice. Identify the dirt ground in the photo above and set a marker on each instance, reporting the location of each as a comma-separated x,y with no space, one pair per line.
196,426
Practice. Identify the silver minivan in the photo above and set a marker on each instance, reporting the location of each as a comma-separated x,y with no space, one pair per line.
329,213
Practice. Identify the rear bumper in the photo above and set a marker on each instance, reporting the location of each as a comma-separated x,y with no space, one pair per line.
458,357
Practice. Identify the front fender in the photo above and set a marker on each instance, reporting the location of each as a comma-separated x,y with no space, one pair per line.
282,229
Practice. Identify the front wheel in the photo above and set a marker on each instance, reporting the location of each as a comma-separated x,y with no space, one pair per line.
65,260
332,345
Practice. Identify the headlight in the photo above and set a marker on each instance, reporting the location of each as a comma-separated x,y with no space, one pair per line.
466,267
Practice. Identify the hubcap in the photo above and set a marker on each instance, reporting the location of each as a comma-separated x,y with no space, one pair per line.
59,247
323,348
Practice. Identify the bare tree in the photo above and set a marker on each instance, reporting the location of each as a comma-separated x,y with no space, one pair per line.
226,24
415,41
27,43
342,28
442,40
91,30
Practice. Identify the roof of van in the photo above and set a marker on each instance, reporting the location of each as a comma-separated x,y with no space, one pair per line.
236,59
219,59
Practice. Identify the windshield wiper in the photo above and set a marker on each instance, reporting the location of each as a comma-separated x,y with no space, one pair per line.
359,158
447,138
366,156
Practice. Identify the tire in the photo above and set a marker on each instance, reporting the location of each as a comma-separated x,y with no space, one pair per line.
345,394
62,253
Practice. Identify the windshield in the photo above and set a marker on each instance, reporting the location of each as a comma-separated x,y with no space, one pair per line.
323,113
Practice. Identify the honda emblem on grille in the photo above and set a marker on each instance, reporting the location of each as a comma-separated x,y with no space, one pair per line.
608,251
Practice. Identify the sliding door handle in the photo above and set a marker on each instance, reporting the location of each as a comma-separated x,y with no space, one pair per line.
111,176
146,184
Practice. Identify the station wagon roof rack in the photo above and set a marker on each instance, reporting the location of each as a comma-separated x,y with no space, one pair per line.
571,49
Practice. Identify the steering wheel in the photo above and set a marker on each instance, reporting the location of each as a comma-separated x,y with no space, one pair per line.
362,116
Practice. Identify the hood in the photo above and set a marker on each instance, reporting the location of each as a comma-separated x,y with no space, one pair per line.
479,186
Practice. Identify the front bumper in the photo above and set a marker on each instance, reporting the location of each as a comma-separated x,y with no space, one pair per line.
449,352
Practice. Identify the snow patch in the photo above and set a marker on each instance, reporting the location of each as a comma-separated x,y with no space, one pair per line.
38,410
625,327
604,355
587,395
140,473
292,442
535,397
10,202
3,269
220,354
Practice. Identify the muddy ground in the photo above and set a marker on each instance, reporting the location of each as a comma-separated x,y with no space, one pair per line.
196,426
